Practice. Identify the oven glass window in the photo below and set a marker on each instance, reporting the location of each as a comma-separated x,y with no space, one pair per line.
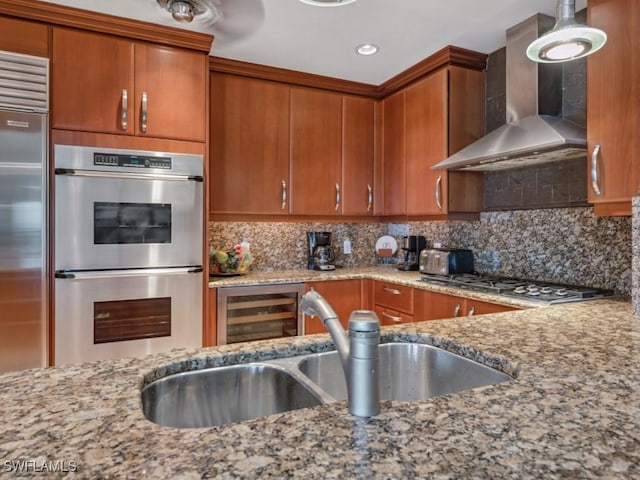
120,320
120,223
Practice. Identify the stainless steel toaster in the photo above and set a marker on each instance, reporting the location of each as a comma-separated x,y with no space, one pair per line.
445,261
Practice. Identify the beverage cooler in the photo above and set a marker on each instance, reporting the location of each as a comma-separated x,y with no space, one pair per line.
259,312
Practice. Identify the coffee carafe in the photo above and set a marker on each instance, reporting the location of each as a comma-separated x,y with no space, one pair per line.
321,255
412,245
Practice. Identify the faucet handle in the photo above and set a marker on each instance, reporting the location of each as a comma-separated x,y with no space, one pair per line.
364,321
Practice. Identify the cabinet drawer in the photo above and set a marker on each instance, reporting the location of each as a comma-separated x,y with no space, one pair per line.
396,297
388,316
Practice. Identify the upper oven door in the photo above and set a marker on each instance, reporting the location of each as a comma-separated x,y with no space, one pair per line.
127,219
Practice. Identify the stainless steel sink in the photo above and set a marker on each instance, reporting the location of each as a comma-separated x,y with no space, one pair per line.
408,371
222,395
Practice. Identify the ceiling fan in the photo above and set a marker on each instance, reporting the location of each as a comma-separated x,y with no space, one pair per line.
227,19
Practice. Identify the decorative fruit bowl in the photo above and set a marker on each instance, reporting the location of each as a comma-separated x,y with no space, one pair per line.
235,261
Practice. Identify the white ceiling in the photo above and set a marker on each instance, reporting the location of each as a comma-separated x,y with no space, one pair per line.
321,40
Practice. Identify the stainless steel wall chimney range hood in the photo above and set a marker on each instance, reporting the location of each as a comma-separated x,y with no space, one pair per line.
535,131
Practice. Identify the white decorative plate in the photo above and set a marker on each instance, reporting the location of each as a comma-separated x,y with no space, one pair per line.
386,242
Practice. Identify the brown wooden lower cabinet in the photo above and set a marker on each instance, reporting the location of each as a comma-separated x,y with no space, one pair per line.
388,316
344,296
435,305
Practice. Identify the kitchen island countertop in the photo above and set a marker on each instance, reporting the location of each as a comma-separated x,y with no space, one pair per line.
573,411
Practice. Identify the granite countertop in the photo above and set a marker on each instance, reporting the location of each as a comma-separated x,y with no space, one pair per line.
384,273
573,411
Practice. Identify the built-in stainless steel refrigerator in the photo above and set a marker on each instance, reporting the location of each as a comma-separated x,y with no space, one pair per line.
23,211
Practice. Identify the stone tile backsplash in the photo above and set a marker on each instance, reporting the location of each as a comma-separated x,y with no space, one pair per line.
566,245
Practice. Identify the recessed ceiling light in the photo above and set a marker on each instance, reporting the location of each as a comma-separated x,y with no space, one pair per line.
327,3
367,49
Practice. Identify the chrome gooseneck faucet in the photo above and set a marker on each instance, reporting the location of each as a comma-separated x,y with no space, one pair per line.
358,351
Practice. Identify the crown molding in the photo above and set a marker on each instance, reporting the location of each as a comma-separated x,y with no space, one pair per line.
445,57
292,77
61,15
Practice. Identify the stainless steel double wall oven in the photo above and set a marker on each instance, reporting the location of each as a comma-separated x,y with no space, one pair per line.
128,252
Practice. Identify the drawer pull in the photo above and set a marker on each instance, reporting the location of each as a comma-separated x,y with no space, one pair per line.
471,311
456,310
393,318
393,291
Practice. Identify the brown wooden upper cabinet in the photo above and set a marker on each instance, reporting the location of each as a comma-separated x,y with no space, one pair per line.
424,124
249,145
613,112
107,84
332,149
28,38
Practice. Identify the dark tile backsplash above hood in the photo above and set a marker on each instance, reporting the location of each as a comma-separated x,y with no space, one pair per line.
536,131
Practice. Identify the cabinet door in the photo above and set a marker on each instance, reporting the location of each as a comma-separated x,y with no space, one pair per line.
28,38
477,307
316,152
249,145
393,154
426,131
435,305
344,296
357,155
89,73
174,82
613,97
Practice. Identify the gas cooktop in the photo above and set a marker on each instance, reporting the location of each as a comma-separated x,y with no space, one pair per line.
543,292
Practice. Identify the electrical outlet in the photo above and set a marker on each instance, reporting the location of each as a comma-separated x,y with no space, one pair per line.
346,246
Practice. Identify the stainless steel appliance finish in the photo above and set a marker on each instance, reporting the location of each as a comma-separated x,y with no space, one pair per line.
23,211
125,216
535,131
443,261
259,312
545,293
128,254
102,315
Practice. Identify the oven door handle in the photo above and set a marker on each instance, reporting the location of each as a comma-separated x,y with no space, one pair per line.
132,176
136,272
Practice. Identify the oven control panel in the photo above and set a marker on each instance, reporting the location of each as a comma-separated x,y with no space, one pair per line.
136,161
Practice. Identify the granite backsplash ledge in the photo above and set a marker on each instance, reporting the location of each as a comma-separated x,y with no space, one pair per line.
565,245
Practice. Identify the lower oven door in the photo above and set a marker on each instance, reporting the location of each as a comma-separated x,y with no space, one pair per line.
105,315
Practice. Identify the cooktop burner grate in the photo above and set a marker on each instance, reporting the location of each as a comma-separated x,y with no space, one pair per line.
544,292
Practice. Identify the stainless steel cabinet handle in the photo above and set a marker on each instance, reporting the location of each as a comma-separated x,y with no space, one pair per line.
124,115
284,195
370,203
595,181
337,197
143,118
471,311
456,310
391,290
393,318
142,272
439,192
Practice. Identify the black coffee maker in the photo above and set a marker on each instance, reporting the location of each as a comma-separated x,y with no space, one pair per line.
412,245
321,255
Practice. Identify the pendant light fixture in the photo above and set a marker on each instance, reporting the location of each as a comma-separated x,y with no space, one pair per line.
186,11
567,40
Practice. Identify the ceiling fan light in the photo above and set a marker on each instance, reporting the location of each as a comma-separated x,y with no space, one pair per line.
567,40
327,3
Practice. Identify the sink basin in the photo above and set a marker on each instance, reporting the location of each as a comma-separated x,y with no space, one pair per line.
222,395
408,372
